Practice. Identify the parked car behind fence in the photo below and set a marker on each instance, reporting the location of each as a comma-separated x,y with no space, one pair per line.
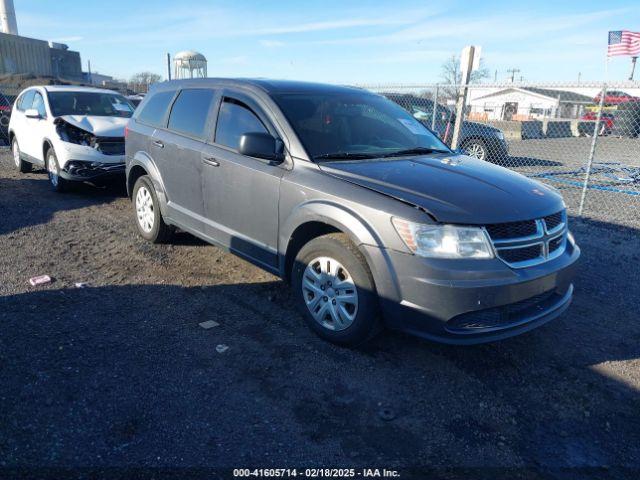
481,141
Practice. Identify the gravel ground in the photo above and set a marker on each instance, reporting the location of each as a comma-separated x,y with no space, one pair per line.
120,374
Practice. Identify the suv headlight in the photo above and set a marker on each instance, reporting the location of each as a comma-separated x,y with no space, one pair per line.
444,241
72,134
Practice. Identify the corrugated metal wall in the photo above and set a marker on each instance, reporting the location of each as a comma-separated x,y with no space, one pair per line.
24,55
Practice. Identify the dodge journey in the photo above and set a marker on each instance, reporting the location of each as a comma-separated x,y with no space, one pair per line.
369,216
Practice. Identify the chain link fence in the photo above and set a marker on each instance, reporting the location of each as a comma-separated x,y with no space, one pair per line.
6,103
583,139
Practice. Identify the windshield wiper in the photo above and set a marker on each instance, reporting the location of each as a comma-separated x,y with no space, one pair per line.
344,156
415,151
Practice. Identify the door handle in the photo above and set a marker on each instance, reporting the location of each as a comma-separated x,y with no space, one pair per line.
210,161
158,143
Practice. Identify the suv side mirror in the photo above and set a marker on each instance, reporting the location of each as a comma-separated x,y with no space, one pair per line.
261,145
32,113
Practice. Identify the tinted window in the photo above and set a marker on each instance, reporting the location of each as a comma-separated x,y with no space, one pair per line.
342,124
26,100
153,112
190,111
234,120
38,104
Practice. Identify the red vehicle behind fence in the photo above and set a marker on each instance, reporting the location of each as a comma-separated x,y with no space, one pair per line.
607,120
614,97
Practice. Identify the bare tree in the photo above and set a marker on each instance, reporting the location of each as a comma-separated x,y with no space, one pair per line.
451,74
141,81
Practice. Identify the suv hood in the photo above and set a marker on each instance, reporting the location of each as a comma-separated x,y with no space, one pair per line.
480,127
452,188
99,126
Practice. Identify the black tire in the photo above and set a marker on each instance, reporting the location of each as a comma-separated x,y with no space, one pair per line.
366,323
473,144
159,232
19,164
58,184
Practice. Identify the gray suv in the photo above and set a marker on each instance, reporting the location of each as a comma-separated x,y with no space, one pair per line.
372,219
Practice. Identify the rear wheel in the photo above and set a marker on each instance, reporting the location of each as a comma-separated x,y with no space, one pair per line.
58,183
476,148
149,221
20,165
335,290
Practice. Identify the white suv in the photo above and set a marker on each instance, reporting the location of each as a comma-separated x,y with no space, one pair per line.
76,133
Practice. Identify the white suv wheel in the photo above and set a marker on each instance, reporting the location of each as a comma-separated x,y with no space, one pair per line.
16,154
52,168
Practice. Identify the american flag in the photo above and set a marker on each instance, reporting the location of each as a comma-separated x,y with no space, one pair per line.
624,42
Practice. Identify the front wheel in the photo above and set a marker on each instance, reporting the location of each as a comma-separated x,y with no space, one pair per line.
58,183
149,221
335,291
20,165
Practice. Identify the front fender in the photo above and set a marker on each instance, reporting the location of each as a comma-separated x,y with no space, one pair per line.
333,214
142,159
359,231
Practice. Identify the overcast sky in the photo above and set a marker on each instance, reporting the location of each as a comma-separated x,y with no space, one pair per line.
399,41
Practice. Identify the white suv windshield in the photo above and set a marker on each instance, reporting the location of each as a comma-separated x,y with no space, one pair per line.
89,103
350,125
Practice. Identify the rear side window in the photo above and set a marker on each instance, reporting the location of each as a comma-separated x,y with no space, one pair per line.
154,111
190,111
26,100
234,120
38,104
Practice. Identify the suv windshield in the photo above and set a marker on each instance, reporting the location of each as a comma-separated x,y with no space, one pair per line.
89,103
355,125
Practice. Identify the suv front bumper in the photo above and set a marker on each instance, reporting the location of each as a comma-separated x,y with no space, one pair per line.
84,164
470,301
83,171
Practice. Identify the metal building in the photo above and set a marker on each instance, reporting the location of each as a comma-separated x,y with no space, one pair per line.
23,55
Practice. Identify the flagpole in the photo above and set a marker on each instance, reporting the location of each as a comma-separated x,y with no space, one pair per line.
633,67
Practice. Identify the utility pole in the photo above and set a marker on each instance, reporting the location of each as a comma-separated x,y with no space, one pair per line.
89,72
513,72
579,76
467,68
168,66
495,77
633,67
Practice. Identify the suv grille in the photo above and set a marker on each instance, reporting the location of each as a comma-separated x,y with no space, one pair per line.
553,221
530,242
512,230
515,255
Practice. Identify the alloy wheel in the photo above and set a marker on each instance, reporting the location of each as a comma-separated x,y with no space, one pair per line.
330,293
475,150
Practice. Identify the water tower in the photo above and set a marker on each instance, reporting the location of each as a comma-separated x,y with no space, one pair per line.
189,64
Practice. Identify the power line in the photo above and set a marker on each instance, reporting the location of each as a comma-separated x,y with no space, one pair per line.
513,72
